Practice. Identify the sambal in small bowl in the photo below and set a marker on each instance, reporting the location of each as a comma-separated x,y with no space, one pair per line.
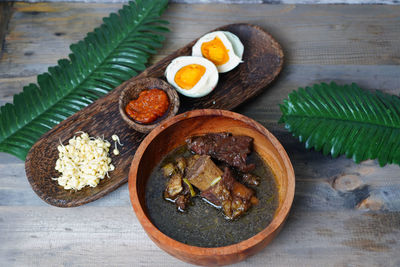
145,103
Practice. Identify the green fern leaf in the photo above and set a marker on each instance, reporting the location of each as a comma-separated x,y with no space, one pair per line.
106,57
345,120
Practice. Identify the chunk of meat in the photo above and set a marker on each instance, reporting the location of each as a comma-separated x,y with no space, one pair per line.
250,179
218,194
191,161
168,169
233,197
241,191
203,172
225,147
174,186
176,190
182,202
181,164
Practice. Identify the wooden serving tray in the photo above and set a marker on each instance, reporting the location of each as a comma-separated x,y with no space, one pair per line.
263,61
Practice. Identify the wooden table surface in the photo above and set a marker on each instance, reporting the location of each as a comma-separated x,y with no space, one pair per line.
344,214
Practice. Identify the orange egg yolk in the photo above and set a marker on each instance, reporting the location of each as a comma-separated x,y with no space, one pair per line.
189,76
215,51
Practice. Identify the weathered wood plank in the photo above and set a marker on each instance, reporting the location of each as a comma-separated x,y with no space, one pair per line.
40,34
41,236
385,2
5,14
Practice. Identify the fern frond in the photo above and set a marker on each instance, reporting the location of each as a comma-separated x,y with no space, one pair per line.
106,57
345,120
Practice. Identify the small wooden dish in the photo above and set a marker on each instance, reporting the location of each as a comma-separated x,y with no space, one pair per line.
132,90
171,134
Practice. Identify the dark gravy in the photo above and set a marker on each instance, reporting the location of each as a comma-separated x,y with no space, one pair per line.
203,225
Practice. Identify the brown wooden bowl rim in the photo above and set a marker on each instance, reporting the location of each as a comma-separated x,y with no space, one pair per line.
166,87
148,226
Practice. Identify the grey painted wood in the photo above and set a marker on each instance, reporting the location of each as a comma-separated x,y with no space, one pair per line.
86,236
385,2
350,35
5,11
344,214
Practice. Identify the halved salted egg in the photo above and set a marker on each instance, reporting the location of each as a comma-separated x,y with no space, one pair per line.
222,48
192,76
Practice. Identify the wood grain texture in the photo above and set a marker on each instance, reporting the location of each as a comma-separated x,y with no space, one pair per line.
379,2
90,236
347,35
325,227
102,118
5,14
172,134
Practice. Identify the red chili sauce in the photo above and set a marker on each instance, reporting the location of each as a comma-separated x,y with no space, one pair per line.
149,106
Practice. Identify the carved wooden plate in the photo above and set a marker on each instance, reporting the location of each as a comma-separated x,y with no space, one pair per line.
263,61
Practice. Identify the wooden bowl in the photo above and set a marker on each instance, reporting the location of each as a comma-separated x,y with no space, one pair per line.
132,91
171,134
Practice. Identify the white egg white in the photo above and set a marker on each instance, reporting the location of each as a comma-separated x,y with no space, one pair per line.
206,83
231,42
